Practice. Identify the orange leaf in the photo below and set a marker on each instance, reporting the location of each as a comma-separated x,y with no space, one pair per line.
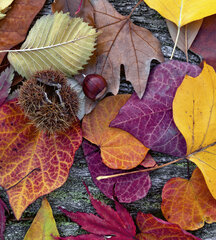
119,149
188,203
14,27
31,163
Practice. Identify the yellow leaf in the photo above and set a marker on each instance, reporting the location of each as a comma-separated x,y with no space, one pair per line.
182,12
194,112
55,41
43,224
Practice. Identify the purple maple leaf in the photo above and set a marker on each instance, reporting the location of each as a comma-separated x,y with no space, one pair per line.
150,119
128,188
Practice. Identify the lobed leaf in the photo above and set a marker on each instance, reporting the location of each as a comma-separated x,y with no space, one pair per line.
194,112
32,163
188,203
119,149
43,224
150,119
55,41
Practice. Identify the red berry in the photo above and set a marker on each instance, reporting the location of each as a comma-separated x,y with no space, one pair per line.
94,86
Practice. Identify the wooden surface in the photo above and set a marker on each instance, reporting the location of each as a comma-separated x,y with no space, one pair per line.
72,194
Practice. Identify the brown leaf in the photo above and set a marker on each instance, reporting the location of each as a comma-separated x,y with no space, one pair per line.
14,27
187,33
122,42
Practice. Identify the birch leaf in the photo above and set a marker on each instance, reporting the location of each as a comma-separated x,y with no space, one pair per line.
55,41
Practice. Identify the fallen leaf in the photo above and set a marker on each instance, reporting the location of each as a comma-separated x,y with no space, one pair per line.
187,34
6,78
119,149
4,7
153,228
204,44
3,208
150,119
194,109
121,42
127,188
43,224
32,163
182,12
188,203
55,41
118,224
14,27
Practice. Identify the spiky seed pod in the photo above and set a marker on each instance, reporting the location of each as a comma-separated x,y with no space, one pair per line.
49,102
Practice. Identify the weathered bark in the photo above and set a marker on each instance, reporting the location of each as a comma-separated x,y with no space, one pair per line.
72,195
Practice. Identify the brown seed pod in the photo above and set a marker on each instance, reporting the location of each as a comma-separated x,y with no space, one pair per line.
49,102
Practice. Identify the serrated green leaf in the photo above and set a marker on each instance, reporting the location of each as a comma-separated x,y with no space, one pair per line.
55,42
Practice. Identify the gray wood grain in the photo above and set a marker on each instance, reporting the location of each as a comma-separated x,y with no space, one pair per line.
72,194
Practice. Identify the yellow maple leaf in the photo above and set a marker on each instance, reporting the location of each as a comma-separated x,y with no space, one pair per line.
194,112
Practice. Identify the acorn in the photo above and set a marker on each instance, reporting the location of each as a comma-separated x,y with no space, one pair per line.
94,86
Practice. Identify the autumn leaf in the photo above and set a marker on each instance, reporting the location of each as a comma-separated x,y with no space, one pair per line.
204,44
4,7
121,42
186,35
118,224
150,119
182,12
55,41
3,208
14,27
43,224
194,113
188,203
32,163
127,188
119,149
6,78
153,228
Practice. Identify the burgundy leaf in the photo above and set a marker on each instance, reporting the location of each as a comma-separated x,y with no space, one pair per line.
204,43
150,119
6,78
126,188
3,207
118,224
81,237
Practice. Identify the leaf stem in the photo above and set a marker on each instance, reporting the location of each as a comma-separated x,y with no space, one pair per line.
135,8
176,41
139,171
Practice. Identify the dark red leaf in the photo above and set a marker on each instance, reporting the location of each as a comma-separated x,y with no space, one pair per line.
118,224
